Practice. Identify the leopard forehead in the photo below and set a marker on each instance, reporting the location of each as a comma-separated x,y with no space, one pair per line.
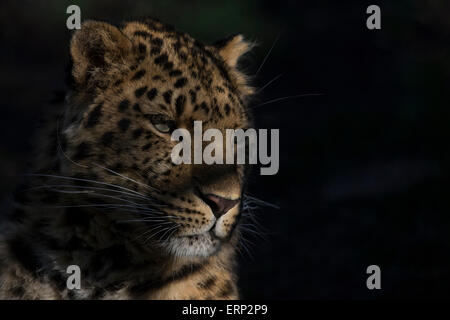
173,74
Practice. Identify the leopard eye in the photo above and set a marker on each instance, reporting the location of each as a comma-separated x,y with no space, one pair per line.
162,123
164,128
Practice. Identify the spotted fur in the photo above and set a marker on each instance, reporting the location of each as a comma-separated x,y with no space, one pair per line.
106,195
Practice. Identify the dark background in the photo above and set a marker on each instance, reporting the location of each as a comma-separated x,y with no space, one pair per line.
364,168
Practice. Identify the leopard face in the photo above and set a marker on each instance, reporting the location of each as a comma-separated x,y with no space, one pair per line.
132,86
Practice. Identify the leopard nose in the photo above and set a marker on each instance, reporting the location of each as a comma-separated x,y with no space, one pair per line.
219,206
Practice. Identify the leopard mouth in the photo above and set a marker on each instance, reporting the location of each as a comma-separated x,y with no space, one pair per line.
209,233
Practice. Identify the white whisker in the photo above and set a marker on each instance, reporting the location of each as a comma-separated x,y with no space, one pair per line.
268,83
268,53
289,97
125,177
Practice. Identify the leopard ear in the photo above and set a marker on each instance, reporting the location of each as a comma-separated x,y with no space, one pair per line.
96,49
232,48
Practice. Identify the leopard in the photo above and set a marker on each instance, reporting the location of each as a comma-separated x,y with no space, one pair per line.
104,194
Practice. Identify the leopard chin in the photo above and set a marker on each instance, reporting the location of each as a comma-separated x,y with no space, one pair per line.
201,245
